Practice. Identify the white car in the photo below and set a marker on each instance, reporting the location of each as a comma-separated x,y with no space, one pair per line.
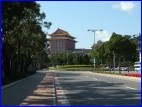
137,66
123,68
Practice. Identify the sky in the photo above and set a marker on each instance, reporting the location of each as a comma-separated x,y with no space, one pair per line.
76,17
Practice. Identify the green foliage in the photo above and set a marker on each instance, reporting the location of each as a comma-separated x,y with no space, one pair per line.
24,42
124,48
75,67
70,59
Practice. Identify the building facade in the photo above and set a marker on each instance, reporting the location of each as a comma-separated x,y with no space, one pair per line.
60,42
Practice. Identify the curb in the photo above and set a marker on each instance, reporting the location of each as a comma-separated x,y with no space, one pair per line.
13,83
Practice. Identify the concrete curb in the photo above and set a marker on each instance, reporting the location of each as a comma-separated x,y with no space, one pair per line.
13,83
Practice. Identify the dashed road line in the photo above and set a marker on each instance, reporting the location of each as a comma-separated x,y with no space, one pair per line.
108,82
131,88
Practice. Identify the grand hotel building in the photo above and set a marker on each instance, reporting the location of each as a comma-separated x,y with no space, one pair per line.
61,41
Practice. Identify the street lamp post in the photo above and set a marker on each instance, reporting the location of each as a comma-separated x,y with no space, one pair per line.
94,30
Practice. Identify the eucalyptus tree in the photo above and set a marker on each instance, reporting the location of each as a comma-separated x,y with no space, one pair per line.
123,48
23,38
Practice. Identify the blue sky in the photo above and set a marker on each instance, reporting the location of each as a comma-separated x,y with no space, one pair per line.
76,17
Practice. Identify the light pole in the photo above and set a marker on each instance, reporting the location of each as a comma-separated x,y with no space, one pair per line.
94,30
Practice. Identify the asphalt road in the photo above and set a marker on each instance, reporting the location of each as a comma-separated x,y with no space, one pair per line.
33,90
85,88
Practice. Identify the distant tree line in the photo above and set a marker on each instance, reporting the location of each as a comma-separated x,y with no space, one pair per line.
70,58
124,47
24,44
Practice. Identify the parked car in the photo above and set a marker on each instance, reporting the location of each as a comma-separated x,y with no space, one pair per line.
124,68
107,69
137,66
116,69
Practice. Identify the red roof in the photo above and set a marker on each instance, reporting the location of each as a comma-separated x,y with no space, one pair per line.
59,32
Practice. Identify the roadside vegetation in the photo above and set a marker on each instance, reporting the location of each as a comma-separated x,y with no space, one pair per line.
24,43
73,68
81,68
123,48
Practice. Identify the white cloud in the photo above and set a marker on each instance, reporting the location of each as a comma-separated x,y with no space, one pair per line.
103,36
124,6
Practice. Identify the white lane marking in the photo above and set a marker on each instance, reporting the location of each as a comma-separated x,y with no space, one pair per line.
61,97
95,79
131,88
54,96
86,76
108,82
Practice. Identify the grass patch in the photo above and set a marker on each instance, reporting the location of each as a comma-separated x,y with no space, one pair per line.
73,68
86,68
76,68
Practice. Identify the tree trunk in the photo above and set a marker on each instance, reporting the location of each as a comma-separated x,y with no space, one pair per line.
23,66
109,65
119,65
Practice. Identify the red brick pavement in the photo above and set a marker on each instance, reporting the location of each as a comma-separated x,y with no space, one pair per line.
43,94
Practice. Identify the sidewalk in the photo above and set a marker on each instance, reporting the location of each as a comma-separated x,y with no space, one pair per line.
35,90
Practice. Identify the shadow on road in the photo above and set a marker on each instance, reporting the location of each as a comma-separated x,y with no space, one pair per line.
36,90
96,92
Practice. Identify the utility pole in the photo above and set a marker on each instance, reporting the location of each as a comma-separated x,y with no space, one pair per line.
94,30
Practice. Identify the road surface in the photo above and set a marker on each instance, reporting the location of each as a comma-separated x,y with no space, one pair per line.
34,90
86,88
